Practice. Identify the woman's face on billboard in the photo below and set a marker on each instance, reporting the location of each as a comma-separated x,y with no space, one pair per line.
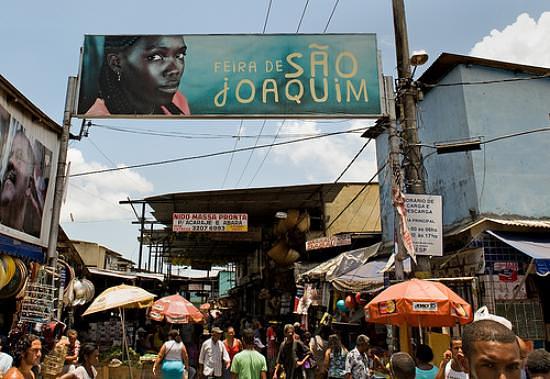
151,69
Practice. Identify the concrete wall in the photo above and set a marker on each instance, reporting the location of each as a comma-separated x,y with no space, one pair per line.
442,117
92,254
512,175
507,177
362,215
384,190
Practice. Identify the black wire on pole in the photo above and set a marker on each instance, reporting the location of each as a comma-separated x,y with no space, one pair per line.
251,153
267,16
209,155
302,17
266,154
357,195
353,160
232,155
483,82
331,14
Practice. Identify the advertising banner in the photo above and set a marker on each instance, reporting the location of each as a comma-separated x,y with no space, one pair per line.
210,222
326,242
277,75
27,166
425,221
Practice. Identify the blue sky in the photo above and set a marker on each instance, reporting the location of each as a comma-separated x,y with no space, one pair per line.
40,44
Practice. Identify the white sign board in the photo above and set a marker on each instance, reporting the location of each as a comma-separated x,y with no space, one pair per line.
424,218
210,222
424,306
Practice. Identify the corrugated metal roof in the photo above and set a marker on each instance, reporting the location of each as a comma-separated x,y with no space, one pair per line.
446,62
128,275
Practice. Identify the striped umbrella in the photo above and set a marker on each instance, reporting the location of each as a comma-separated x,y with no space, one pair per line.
176,310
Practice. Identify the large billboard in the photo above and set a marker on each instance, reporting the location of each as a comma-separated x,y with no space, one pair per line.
277,75
28,153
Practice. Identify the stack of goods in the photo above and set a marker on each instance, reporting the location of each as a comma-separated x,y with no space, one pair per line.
54,361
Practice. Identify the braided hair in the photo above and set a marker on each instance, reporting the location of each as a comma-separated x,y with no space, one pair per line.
110,89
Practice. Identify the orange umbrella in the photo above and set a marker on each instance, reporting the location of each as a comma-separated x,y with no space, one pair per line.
418,303
176,309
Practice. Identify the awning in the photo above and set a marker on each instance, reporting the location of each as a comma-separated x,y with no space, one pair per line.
22,250
341,264
111,273
535,245
128,275
363,278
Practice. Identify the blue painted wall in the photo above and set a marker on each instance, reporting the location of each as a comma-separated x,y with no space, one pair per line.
512,175
506,178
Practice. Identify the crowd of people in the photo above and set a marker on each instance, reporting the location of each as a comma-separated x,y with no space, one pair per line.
487,349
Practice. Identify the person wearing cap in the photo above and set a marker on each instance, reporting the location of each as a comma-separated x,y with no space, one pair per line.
213,356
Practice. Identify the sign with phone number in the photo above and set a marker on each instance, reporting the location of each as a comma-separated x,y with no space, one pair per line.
209,222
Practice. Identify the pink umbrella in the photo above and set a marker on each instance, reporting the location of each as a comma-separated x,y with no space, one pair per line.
176,310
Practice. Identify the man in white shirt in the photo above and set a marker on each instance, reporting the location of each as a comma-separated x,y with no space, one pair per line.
452,365
213,356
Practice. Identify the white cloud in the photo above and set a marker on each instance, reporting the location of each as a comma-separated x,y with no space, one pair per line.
525,42
323,159
96,197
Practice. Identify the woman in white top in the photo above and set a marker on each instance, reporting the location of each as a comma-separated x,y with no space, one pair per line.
172,357
88,357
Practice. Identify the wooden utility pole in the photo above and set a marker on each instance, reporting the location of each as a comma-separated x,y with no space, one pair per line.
406,97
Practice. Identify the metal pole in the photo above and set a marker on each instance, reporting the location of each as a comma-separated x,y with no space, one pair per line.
395,163
406,93
61,171
150,248
142,219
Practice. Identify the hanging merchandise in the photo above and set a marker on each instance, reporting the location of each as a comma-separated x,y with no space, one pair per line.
341,305
38,304
350,302
16,271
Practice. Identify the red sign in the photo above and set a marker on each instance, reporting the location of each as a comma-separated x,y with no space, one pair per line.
507,271
210,222
326,242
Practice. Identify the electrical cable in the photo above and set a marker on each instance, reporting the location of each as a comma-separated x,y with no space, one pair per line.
251,153
232,155
209,155
484,81
267,16
353,160
331,14
199,135
266,154
302,17
498,138
357,195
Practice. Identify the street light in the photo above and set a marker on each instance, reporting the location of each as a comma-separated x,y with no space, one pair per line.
418,58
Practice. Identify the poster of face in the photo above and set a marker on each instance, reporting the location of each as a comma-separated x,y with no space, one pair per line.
25,171
159,76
